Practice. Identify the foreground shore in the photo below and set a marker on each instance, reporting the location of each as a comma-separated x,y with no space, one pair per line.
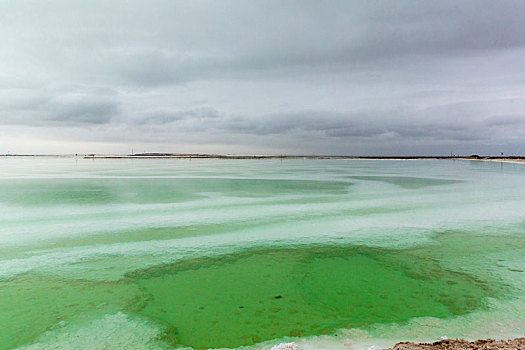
518,343
448,344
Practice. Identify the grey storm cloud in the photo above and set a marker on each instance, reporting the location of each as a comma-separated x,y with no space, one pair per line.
65,109
266,76
361,124
161,118
297,37
83,112
515,121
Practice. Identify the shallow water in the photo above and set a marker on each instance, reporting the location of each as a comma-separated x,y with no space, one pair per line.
228,253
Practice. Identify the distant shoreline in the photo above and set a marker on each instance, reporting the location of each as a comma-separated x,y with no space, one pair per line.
505,159
511,159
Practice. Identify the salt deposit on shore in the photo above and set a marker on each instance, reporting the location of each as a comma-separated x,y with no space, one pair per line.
449,344
518,343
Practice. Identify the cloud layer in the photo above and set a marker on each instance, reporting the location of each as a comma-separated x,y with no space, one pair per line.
338,77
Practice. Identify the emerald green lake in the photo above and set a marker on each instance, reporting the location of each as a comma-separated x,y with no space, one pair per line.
167,254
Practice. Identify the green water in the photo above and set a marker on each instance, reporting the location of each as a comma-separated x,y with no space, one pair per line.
32,305
205,254
246,298
97,191
406,182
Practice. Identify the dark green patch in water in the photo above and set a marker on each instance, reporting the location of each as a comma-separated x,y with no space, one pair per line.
406,181
249,297
252,296
161,190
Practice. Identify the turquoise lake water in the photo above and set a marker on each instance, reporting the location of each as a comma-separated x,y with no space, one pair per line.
211,253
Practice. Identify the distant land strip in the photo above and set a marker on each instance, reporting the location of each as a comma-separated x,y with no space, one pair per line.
223,156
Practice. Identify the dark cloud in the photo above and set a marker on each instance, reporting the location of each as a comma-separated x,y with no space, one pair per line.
161,118
83,112
364,124
514,121
298,38
62,109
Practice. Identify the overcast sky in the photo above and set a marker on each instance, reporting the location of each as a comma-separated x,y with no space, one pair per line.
267,77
